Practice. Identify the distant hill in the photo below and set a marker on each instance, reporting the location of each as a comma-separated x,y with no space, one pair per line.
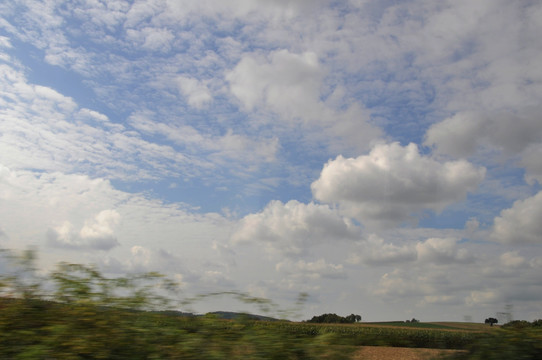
173,313
229,315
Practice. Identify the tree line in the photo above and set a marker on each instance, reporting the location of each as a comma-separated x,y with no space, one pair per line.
335,319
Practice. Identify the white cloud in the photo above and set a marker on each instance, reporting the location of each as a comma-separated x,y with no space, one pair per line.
463,133
257,10
288,83
196,92
434,251
294,228
96,234
512,259
398,285
393,182
291,86
45,130
521,223
442,252
153,39
483,297
246,152
67,212
5,42
376,252
306,270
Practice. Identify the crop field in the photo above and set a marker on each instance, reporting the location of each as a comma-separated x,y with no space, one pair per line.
386,334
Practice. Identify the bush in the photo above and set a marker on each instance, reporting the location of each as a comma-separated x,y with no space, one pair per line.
517,324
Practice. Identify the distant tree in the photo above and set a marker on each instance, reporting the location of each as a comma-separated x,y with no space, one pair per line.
414,320
491,321
334,318
352,318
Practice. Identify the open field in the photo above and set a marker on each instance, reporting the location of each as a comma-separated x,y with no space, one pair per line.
398,353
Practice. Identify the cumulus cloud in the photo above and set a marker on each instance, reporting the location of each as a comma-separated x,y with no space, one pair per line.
393,182
96,233
521,223
291,86
294,228
288,83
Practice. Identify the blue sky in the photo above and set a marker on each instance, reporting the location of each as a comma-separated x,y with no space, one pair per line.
383,157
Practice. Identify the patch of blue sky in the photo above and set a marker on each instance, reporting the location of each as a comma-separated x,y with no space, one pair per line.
457,215
502,187
403,108
62,80
218,192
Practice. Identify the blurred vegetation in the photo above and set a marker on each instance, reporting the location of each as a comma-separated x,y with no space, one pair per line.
511,343
74,312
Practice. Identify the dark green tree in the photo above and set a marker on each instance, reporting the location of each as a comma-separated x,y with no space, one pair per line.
335,319
491,321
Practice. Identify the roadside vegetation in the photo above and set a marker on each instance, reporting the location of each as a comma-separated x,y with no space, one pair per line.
75,312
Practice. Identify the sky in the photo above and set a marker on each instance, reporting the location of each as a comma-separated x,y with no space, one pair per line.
384,157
